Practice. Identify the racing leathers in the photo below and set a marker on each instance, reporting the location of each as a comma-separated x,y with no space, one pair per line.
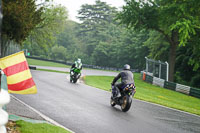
126,78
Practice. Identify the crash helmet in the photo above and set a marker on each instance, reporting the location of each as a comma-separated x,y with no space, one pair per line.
127,67
79,61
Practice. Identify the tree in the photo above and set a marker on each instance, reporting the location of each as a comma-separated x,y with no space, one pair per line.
95,20
97,14
101,54
158,46
105,42
134,50
67,37
44,34
20,18
195,48
58,53
1,17
177,20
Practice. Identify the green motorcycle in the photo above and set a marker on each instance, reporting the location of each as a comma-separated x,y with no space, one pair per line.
75,75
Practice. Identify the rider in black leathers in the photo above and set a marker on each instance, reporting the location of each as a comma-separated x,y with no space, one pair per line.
126,78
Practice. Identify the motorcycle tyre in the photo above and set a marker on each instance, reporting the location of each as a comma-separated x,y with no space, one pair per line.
75,80
112,103
128,104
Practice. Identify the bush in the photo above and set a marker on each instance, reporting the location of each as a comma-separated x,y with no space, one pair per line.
58,53
195,82
43,56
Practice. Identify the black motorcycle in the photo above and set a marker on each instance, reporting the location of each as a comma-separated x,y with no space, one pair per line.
125,99
75,75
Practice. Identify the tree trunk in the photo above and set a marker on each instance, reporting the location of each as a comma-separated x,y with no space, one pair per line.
4,45
172,55
172,60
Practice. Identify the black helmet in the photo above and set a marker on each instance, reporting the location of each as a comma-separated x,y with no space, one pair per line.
127,67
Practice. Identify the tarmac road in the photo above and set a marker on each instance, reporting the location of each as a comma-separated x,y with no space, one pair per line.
85,109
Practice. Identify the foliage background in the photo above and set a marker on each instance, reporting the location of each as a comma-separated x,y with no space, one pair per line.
103,38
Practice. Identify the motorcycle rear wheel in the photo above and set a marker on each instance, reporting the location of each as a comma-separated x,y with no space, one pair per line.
126,103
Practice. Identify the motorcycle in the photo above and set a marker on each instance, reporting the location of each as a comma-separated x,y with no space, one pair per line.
75,75
125,99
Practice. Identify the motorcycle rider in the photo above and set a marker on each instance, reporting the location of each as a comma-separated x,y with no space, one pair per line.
126,78
77,64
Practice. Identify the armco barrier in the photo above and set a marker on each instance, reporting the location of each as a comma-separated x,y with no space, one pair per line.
158,81
32,67
183,89
194,92
149,79
170,85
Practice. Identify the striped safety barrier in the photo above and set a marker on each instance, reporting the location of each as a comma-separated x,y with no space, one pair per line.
158,81
170,85
183,89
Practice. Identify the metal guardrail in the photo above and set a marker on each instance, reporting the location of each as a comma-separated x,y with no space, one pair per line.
158,81
194,92
170,85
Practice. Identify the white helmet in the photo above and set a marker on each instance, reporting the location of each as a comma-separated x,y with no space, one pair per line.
79,60
127,67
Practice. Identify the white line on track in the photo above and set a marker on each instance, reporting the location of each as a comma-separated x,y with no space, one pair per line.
42,115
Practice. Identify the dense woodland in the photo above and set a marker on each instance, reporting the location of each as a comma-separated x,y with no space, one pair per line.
165,30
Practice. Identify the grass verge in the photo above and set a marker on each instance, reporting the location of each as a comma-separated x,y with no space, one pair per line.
27,127
45,63
145,91
53,64
48,70
151,93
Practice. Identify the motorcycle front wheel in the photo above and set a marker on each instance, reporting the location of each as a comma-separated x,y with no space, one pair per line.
75,80
112,102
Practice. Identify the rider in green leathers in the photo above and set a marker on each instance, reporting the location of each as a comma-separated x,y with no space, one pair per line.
77,65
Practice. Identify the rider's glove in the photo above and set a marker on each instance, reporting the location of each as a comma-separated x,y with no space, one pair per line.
112,85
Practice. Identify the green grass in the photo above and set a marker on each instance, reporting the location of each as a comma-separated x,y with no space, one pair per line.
27,127
151,93
45,63
145,91
48,70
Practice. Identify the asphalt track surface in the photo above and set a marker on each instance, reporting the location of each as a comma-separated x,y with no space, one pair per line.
85,109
